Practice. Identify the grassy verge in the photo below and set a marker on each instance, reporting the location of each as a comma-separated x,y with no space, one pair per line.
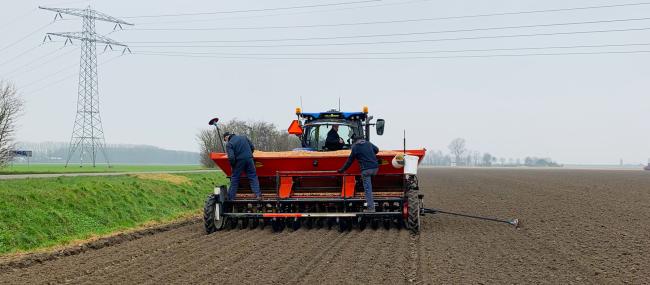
60,168
38,213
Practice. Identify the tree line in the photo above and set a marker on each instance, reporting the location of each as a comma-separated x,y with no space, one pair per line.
57,152
459,155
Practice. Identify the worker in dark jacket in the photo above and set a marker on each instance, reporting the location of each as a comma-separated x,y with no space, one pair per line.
333,140
240,154
366,153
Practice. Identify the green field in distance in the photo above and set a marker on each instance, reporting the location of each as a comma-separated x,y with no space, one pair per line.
72,168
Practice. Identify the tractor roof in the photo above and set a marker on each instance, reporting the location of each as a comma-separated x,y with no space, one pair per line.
334,115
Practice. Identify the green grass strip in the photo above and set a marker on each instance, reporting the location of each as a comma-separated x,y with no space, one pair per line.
38,213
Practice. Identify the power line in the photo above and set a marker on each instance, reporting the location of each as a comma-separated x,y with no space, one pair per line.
404,41
252,10
51,75
70,2
16,19
25,37
413,20
408,34
21,54
67,77
286,14
414,57
37,59
400,52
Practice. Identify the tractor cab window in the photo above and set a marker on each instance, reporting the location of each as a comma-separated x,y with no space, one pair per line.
316,137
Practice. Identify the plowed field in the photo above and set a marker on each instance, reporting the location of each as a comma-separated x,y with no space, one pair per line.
578,227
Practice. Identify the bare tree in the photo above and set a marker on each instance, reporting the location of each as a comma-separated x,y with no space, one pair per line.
10,107
457,148
487,159
208,142
476,158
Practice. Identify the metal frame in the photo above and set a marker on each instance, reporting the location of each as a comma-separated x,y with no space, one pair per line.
87,134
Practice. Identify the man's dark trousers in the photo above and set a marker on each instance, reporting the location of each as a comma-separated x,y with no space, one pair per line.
248,166
366,178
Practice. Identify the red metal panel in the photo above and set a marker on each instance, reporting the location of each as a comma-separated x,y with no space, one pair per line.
347,190
269,165
286,185
281,215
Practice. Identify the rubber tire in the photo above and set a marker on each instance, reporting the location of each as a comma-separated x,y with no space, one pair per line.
330,223
413,219
254,224
374,223
209,215
344,224
386,223
233,223
244,223
363,223
278,225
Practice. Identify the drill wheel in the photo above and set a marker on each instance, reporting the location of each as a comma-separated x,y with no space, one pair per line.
386,223
374,224
344,225
278,225
244,224
254,224
295,225
363,223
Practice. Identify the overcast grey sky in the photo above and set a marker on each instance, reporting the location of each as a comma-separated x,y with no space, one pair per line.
574,108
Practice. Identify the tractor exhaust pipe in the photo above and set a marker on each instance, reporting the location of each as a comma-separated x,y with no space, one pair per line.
513,222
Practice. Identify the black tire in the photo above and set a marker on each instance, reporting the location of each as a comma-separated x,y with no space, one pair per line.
244,223
413,219
209,215
363,223
330,223
278,225
232,223
254,224
386,223
265,223
295,225
399,223
344,224
374,223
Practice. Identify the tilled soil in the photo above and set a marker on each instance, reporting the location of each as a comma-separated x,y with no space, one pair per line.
577,227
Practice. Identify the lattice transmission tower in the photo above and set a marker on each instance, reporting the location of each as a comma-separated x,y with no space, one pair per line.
87,133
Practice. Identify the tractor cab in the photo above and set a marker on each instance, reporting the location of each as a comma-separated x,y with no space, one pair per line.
313,128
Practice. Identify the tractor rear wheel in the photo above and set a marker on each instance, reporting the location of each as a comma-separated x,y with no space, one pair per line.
212,214
413,219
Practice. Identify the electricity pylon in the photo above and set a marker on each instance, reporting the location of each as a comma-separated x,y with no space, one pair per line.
87,133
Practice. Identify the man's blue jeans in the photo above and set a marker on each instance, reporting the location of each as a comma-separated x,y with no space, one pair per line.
366,177
247,165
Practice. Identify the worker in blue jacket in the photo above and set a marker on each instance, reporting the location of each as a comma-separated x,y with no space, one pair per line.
240,154
366,153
